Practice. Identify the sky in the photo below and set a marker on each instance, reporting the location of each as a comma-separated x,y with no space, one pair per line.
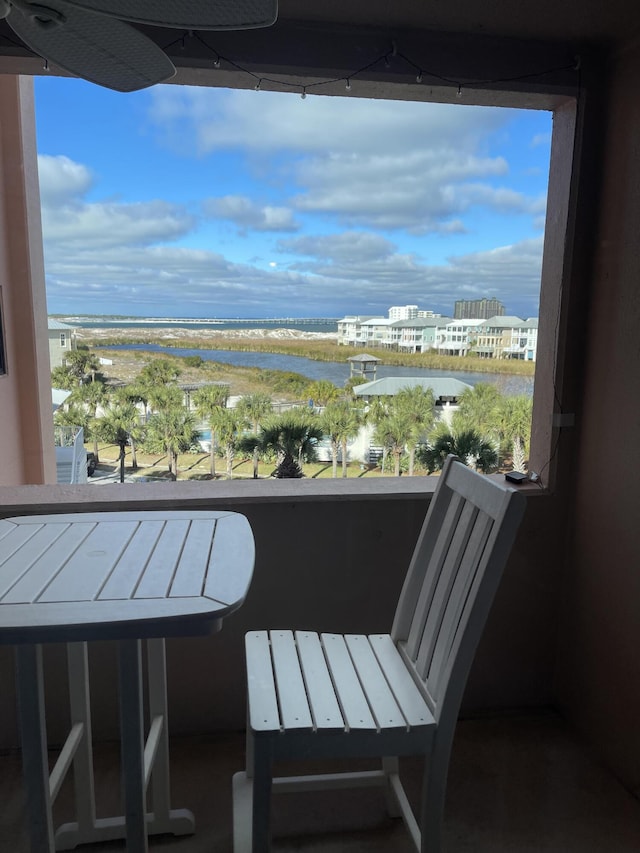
218,203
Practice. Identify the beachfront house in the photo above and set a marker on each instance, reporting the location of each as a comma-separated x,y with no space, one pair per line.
548,757
62,339
419,334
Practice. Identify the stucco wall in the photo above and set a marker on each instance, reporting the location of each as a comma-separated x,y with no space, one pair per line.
26,420
335,565
598,677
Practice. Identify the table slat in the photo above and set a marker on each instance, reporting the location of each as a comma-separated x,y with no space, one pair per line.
234,546
41,558
133,563
86,571
192,568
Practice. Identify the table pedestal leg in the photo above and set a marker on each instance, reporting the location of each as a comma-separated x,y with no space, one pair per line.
164,819
132,739
34,747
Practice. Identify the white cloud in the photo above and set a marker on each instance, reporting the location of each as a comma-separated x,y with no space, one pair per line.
216,119
69,221
61,179
249,215
350,245
541,139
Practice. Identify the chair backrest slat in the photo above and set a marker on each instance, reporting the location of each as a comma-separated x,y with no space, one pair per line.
459,607
449,588
454,573
424,604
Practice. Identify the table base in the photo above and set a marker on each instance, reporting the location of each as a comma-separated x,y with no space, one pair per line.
142,763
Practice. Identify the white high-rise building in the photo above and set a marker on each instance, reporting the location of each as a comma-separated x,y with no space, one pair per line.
403,312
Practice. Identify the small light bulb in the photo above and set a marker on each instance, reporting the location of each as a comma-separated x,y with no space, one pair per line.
216,63
348,86
419,77
304,94
258,85
459,92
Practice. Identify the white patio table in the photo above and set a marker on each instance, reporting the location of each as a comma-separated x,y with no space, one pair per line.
124,576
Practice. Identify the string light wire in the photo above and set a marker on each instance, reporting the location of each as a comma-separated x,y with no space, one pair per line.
384,61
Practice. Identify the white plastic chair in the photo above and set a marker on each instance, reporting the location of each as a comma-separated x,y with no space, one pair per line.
334,696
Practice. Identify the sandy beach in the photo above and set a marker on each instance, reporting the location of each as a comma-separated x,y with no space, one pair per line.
165,333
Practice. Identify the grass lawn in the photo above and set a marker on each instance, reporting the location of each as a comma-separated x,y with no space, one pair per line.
195,466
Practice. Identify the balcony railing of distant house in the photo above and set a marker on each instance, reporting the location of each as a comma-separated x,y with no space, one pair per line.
71,457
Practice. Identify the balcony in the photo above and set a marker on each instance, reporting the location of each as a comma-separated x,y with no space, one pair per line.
332,555
515,784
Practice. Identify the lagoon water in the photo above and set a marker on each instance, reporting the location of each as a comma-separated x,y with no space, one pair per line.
337,372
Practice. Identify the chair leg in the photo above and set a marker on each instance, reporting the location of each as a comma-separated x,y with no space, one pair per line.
434,790
391,767
261,772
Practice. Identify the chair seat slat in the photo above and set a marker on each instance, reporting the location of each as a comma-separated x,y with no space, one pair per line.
263,703
379,695
322,698
414,707
355,708
292,693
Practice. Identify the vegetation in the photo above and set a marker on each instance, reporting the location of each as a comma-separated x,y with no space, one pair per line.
146,415
320,349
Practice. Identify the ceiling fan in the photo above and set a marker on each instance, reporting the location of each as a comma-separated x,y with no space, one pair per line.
90,38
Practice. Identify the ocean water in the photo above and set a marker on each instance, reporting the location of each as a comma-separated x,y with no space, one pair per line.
309,324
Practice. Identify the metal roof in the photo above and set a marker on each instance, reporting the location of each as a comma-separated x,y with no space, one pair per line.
57,324
442,387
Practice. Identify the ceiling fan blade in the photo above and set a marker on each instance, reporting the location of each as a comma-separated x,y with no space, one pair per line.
189,14
100,49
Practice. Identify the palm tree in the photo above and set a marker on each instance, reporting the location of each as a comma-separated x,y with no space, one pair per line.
91,396
118,424
468,445
477,409
322,392
254,407
293,438
159,371
419,406
172,431
340,421
394,431
209,401
514,421
228,423
82,365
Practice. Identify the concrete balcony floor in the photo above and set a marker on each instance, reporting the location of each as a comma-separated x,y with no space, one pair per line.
517,785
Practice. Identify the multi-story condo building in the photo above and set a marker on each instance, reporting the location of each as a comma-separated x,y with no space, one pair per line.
497,337
403,312
459,337
351,332
507,337
421,334
478,309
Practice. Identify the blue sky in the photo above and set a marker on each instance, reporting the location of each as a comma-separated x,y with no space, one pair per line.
194,202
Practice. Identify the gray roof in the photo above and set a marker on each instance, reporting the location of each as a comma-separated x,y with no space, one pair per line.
421,322
364,357
442,387
57,324
507,322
